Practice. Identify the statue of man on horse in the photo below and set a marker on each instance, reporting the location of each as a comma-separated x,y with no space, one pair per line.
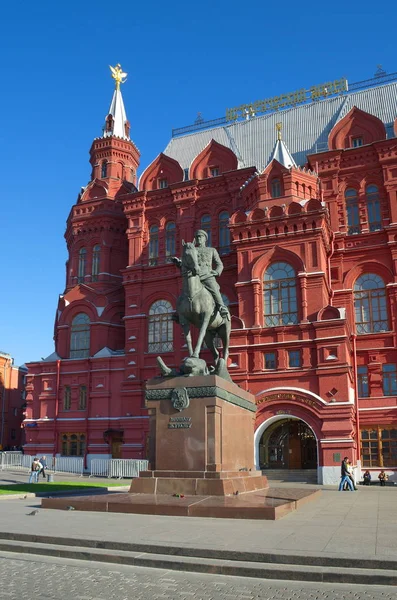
201,304
210,266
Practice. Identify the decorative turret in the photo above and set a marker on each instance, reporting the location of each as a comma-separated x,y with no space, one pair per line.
114,155
281,152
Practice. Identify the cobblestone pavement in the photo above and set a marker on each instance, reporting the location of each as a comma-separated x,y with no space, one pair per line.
47,578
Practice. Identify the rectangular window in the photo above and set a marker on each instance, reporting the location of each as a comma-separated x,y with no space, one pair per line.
15,412
13,434
163,183
270,360
73,444
67,397
275,188
353,218
362,382
379,446
294,359
83,397
214,171
389,373
358,141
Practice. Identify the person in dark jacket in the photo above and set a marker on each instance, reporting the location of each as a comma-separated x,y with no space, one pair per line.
367,478
345,475
43,461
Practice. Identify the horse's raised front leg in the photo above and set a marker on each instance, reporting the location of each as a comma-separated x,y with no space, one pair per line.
203,328
188,336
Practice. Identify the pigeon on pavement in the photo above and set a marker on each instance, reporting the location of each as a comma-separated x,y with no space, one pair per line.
33,513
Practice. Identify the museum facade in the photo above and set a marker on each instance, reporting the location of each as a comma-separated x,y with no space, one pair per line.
301,204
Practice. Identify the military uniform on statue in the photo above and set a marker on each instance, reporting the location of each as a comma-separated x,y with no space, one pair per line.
210,266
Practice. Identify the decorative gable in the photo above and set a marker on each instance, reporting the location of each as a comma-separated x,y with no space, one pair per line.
162,172
95,189
357,128
214,160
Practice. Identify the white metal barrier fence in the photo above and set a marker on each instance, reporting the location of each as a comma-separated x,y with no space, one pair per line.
99,467
62,464
117,467
15,461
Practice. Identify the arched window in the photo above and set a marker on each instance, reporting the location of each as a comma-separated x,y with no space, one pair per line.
82,265
153,245
280,295
104,169
161,327
206,226
275,188
80,336
373,208
353,212
370,304
224,233
169,240
96,251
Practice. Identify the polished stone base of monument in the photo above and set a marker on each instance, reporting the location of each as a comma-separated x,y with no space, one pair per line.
207,483
270,504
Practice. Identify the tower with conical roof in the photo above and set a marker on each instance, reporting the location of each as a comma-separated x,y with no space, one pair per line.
96,236
114,157
85,411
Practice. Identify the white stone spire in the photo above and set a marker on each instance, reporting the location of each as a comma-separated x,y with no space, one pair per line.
117,123
281,152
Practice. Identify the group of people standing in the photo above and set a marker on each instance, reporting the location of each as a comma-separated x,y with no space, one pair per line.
38,467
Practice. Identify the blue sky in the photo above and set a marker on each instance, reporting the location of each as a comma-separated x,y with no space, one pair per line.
181,58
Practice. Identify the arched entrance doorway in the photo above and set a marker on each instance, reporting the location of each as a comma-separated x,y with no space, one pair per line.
288,444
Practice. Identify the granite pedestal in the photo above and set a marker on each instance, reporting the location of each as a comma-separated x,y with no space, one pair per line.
201,451
205,448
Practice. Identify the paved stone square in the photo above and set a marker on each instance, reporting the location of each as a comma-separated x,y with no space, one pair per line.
360,524
44,578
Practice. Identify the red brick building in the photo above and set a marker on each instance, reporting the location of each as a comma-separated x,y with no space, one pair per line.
12,402
307,231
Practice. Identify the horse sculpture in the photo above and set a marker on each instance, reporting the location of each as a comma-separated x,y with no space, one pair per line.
196,306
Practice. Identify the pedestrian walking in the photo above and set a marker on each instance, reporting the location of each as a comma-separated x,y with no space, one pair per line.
350,470
43,461
345,475
34,470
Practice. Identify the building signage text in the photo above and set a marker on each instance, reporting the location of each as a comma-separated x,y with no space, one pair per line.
316,92
286,396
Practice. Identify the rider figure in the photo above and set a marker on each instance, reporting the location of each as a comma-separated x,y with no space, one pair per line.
207,257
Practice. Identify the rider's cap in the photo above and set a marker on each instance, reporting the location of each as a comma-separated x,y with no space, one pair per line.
201,232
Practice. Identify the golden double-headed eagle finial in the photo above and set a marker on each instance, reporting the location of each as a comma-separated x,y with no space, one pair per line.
279,127
118,75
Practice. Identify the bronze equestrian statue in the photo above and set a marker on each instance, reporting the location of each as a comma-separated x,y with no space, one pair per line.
201,305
